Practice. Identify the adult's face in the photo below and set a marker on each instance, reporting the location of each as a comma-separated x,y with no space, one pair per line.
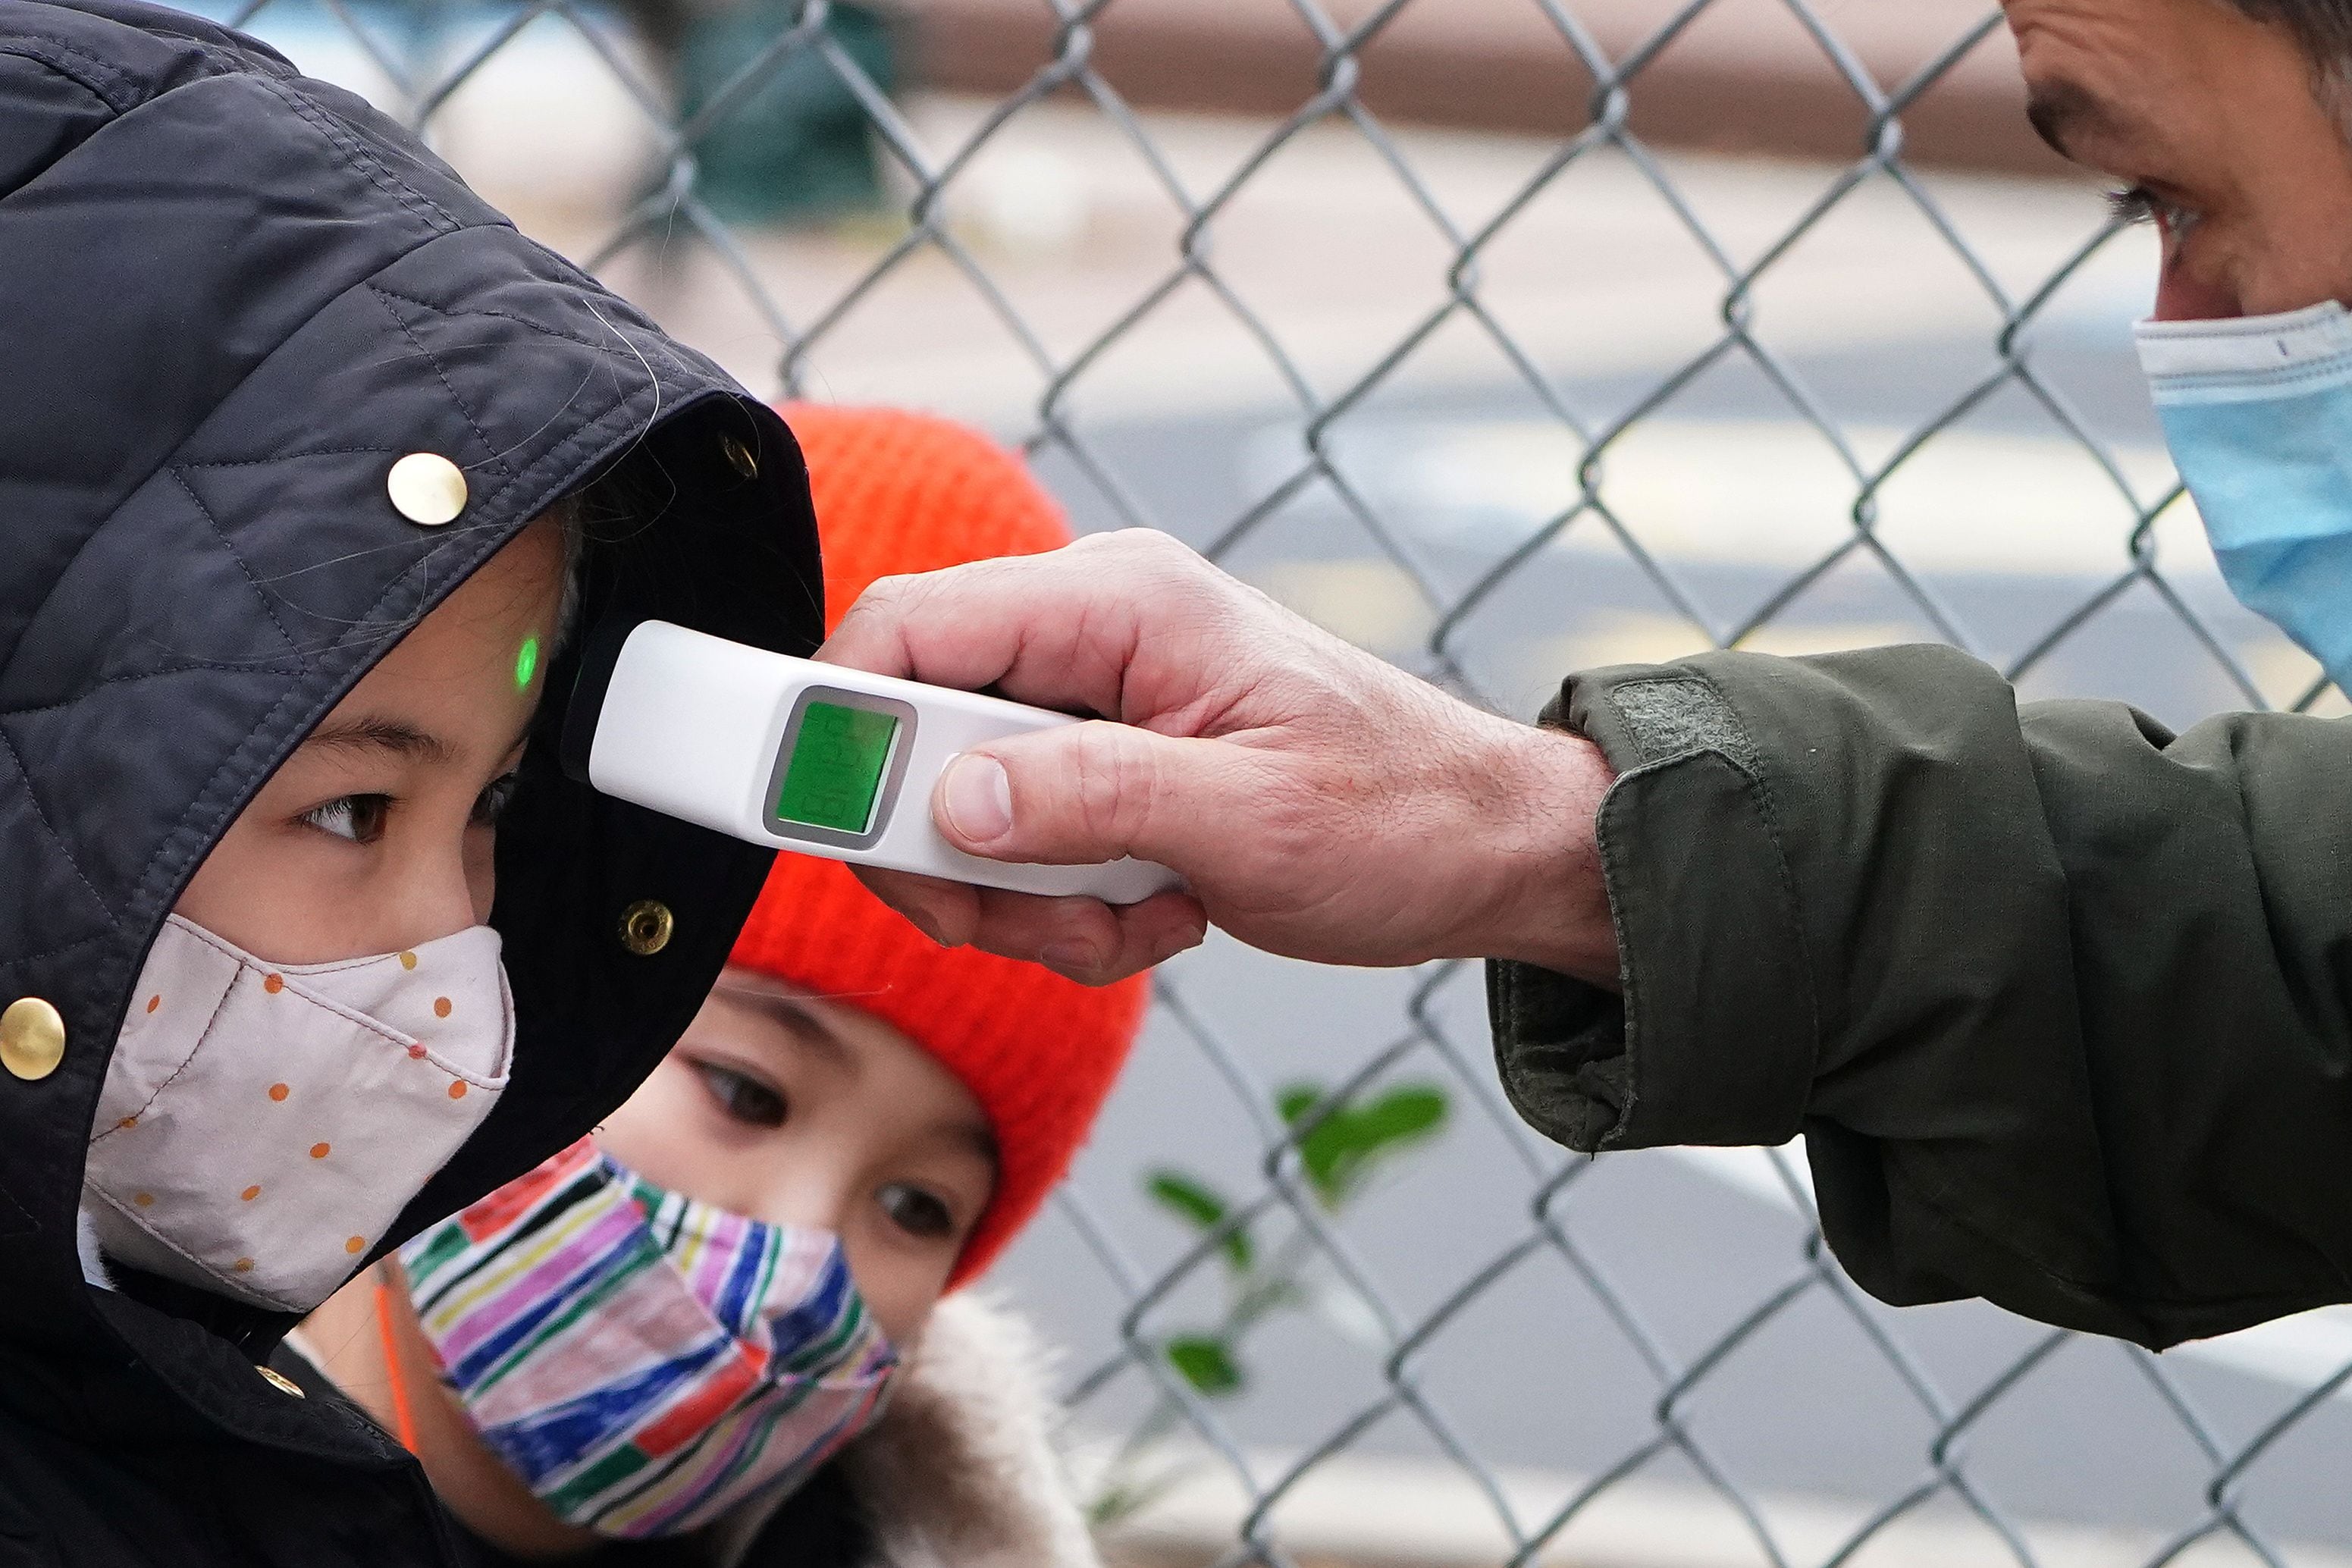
2215,124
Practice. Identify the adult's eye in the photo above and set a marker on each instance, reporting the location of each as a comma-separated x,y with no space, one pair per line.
357,817
2134,204
491,804
744,1099
915,1212
2140,204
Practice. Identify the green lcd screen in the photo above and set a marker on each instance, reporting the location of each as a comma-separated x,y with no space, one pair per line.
838,758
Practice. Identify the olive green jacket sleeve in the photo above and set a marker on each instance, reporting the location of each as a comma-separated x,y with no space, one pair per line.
2058,998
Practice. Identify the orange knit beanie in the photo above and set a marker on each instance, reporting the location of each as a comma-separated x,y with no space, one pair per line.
900,492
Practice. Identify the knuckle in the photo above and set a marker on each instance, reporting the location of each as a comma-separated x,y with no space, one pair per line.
1164,545
881,606
1150,549
1113,783
885,595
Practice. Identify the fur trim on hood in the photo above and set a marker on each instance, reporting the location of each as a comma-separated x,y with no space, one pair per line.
959,1471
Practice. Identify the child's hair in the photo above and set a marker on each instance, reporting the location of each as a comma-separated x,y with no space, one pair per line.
622,500
899,492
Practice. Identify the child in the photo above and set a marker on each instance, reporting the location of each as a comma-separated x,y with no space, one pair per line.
857,1119
312,467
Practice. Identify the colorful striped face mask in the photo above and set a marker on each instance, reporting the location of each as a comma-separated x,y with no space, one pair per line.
643,1361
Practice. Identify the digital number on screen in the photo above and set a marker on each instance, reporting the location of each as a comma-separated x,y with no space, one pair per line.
839,757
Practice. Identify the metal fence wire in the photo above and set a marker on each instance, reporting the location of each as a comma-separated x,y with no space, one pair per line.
1275,1288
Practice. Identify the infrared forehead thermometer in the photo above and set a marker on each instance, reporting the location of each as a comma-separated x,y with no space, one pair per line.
783,752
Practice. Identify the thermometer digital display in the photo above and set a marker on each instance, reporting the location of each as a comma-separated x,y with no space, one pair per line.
805,756
832,765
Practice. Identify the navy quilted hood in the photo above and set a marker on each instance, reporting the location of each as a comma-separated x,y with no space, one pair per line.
230,298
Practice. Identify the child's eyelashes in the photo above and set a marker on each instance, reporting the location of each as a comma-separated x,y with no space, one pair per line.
360,818
742,1098
917,1213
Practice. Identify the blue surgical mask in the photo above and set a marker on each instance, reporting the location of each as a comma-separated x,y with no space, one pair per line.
2258,413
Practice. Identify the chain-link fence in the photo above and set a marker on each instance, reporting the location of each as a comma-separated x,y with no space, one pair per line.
1496,405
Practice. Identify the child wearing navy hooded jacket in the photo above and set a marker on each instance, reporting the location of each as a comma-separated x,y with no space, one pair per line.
730,1330
315,475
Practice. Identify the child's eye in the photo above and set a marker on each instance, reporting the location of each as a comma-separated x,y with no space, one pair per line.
491,804
358,817
915,1212
747,1100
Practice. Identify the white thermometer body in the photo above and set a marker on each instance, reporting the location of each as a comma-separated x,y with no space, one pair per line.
779,750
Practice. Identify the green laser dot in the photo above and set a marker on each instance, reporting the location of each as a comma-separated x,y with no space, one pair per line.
526,663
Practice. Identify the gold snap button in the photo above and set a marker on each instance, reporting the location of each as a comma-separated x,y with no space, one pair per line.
280,1382
646,927
739,457
32,1038
427,489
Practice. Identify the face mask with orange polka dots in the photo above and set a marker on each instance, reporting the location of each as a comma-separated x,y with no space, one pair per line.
263,1124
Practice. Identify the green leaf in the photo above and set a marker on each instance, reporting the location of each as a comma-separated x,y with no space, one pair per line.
1296,1100
1195,1202
1405,1114
1122,1501
1323,1152
1324,1143
1206,1363
1346,1146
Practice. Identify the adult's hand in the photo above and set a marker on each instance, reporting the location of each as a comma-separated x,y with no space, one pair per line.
1321,804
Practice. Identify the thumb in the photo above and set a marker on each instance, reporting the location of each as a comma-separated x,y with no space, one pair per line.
1082,794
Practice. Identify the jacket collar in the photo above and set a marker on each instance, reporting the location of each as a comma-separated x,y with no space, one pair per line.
961,1472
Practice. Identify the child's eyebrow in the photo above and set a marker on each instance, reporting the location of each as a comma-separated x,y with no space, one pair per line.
806,1027
980,1140
384,735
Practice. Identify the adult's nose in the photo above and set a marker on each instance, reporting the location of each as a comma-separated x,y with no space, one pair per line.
2180,297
